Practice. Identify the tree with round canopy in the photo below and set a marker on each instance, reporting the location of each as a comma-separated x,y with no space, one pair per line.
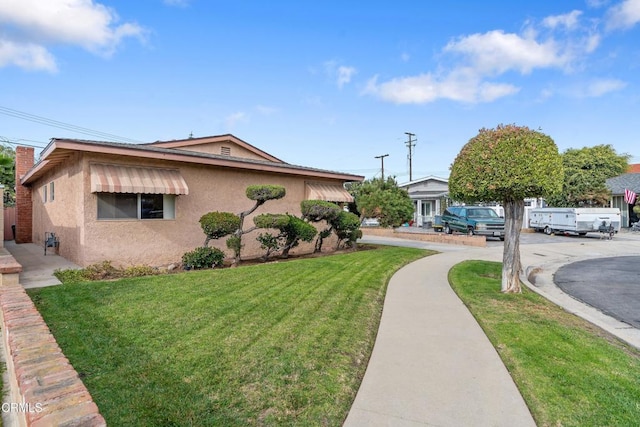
507,164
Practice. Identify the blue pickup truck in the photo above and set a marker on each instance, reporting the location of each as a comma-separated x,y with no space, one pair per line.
480,220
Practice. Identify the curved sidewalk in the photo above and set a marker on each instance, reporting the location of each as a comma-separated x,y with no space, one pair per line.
433,365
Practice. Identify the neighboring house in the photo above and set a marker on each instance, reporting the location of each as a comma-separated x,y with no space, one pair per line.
618,185
141,203
428,198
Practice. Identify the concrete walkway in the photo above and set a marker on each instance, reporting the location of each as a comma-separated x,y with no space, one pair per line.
37,269
433,365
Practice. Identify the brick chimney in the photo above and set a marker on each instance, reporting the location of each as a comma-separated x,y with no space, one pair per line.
24,204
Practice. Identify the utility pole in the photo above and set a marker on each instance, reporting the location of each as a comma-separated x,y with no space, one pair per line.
382,160
410,144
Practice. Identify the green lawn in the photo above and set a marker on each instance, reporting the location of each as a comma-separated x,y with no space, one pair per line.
277,344
569,372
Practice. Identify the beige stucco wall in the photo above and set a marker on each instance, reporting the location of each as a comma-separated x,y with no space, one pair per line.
86,240
216,148
64,215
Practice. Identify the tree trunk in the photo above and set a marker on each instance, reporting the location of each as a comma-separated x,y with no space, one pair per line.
239,233
511,266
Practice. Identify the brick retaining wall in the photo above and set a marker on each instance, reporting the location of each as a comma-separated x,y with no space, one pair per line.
44,389
456,239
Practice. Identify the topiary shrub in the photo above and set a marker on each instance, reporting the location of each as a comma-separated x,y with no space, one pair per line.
262,193
203,257
218,224
295,231
268,220
269,243
347,228
235,244
317,211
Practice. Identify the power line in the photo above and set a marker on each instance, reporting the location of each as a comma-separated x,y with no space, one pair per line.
381,157
62,125
5,140
411,144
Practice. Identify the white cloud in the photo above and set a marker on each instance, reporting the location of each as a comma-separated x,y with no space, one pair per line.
624,15
498,52
569,20
232,120
405,57
28,56
601,87
462,85
478,61
83,23
344,75
341,73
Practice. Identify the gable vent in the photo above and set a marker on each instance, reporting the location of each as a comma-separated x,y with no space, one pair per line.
225,151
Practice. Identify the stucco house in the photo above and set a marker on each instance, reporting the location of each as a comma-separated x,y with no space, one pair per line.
427,195
141,203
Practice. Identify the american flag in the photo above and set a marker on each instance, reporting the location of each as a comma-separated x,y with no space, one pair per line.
629,197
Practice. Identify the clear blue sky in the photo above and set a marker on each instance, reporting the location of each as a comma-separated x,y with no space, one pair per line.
327,84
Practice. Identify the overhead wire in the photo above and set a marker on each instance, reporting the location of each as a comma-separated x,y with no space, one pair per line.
66,126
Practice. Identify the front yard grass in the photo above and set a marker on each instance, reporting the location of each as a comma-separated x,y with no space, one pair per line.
569,372
276,344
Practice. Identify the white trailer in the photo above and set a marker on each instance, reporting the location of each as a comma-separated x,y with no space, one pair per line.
575,220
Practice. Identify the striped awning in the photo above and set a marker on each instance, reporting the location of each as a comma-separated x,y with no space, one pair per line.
127,179
329,193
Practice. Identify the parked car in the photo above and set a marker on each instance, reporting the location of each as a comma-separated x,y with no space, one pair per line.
370,222
480,220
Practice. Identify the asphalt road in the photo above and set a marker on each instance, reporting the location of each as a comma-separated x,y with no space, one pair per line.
610,284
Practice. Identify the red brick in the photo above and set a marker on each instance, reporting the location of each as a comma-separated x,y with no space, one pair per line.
83,414
24,206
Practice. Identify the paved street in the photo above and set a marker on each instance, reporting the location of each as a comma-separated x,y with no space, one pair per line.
610,284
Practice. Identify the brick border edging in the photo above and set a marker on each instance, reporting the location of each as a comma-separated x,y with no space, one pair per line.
41,379
456,239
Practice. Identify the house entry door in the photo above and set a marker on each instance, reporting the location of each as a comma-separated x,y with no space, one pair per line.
426,213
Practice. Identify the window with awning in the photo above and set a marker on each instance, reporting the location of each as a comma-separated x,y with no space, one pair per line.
328,192
136,180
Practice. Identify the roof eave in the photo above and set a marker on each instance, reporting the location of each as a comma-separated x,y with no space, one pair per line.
184,157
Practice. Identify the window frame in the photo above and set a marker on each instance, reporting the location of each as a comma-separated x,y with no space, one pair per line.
168,207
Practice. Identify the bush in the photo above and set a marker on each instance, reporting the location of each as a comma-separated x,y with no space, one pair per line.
138,271
102,271
269,243
318,210
267,220
347,228
203,257
219,224
235,244
70,275
262,193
